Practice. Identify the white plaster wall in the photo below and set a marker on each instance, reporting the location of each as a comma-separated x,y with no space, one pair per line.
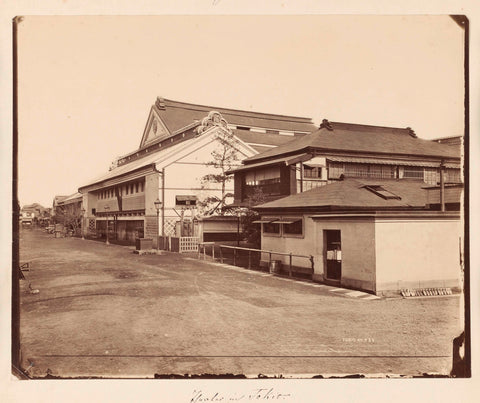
358,249
417,254
297,245
183,176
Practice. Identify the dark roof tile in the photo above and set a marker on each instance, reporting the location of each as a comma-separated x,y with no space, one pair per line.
177,115
351,193
360,138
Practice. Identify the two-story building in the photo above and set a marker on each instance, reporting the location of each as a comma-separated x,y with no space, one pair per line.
173,158
344,150
377,208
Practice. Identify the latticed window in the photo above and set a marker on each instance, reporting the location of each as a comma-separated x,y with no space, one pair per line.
413,172
356,170
431,176
312,172
335,170
452,175
381,171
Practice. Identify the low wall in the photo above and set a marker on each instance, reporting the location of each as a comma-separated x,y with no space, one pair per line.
417,254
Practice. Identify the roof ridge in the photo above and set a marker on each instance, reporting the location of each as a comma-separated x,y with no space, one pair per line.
200,107
359,126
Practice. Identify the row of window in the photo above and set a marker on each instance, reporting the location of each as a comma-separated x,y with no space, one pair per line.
123,190
285,227
336,169
265,176
428,175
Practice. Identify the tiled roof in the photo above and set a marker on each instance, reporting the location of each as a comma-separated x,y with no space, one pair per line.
177,115
263,138
149,159
281,160
351,193
74,196
360,138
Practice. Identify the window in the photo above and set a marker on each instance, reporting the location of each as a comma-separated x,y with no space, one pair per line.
335,170
293,227
312,172
141,186
267,179
452,175
431,176
136,187
381,171
271,228
356,170
413,172
126,189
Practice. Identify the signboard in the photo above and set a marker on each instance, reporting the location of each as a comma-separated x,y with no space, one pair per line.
185,201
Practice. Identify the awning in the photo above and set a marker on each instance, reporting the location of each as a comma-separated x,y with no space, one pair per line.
287,221
455,166
360,160
316,162
285,160
265,220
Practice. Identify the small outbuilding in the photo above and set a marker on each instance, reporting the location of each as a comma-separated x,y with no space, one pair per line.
375,235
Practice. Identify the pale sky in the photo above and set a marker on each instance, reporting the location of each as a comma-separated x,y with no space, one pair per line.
86,84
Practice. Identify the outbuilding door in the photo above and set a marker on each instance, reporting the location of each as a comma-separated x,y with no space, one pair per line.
333,254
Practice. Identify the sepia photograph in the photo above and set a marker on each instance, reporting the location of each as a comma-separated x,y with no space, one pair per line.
240,197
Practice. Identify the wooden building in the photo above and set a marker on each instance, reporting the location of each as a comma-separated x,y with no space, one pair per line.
170,162
344,150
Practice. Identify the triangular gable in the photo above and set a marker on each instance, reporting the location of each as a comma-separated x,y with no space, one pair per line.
192,150
154,130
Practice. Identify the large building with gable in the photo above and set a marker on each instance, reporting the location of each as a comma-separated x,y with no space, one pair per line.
170,162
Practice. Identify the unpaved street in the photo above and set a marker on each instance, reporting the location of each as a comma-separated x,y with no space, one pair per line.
104,311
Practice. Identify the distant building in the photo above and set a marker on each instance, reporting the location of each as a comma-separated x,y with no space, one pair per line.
170,162
68,211
378,235
35,214
344,150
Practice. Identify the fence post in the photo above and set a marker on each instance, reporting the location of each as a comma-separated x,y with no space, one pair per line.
290,268
221,254
249,259
198,256
213,252
234,257
269,260
313,267
203,252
